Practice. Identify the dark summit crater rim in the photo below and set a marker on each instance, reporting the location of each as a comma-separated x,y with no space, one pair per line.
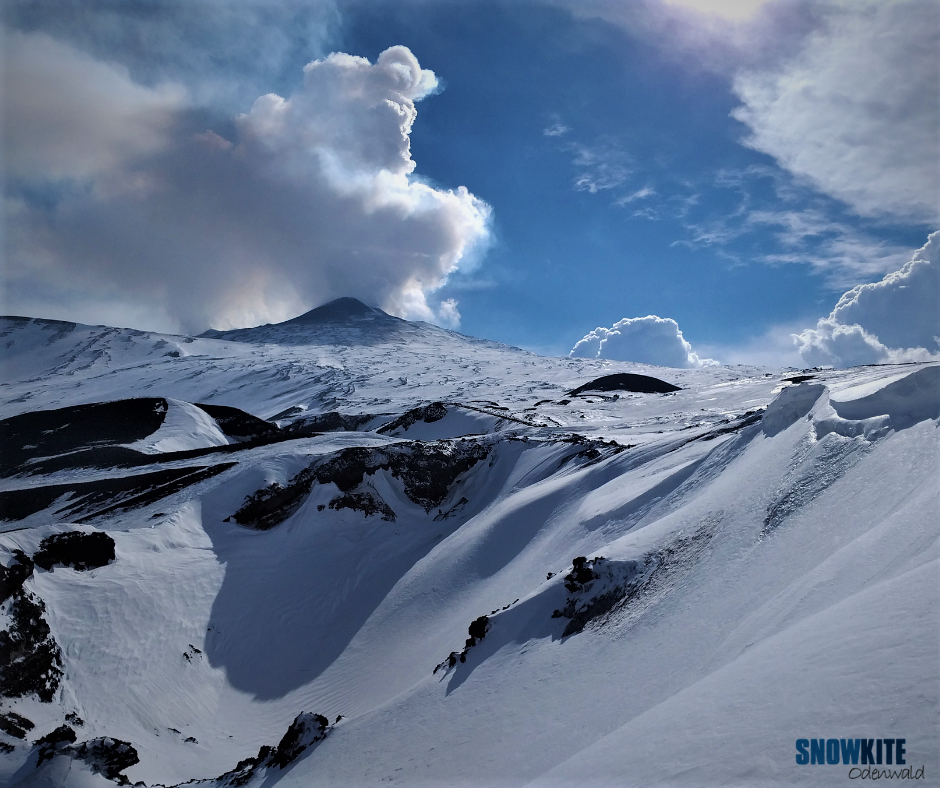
626,381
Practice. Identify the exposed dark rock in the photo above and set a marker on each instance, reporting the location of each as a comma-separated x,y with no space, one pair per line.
625,381
107,756
74,719
245,769
15,725
239,425
273,504
306,729
48,433
326,422
53,743
13,576
78,550
455,509
6,748
582,572
580,580
83,501
799,378
366,502
93,436
427,470
595,449
428,414
599,586
478,627
97,457
477,631
30,660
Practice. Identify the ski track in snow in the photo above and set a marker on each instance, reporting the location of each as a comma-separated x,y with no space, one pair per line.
759,579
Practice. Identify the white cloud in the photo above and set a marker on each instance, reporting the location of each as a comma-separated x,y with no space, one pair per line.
645,340
312,198
639,194
772,348
557,128
801,230
857,111
896,319
600,167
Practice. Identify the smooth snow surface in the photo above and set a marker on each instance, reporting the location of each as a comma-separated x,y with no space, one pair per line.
184,427
765,552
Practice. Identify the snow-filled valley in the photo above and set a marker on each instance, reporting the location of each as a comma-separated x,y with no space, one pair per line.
351,550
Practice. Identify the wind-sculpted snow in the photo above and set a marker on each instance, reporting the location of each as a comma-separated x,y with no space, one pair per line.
791,405
844,431
730,565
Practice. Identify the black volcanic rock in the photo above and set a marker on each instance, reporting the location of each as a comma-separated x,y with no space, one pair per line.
239,425
53,743
76,549
30,660
332,421
13,576
306,729
108,756
88,500
427,470
428,414
626,381
15,725
47,433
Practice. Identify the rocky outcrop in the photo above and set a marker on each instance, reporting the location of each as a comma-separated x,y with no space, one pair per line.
78,550
428,414
13,576
15,725
428,471
30,659
108,757
306,730
476,631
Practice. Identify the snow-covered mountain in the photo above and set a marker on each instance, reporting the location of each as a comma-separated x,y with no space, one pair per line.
354,550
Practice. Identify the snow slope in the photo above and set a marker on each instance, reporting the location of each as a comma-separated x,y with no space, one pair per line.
757,563
185,426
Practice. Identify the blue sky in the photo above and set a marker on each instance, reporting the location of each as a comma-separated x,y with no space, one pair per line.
620,160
